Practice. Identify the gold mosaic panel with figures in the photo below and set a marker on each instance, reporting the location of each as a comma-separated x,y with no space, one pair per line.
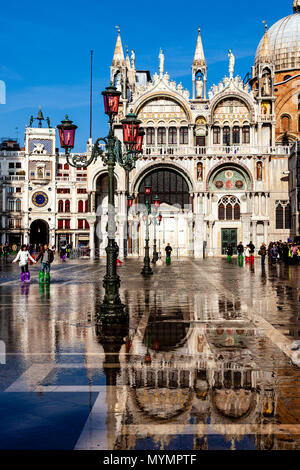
162,108
231,110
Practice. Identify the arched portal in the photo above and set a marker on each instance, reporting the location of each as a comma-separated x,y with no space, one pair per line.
39,232
168,184
173,188
101,201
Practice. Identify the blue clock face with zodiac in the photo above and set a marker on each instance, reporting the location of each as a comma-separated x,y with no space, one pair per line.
40,199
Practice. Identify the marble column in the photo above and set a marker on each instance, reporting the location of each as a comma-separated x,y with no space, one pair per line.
266,232
92,241
259,204
135,235
210,240
199,228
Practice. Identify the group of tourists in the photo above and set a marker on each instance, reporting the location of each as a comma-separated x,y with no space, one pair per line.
288,252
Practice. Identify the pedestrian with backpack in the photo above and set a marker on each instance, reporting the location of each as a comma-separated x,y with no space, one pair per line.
46,256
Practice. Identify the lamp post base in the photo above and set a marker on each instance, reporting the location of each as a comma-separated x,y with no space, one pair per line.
146,271
111,305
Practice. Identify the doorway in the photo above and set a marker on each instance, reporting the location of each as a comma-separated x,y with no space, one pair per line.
229,236
39,232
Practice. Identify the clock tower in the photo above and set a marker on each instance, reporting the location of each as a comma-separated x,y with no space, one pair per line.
39,210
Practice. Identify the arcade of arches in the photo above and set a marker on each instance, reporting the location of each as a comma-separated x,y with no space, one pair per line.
195,223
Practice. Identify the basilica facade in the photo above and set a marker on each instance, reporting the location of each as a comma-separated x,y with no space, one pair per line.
217,159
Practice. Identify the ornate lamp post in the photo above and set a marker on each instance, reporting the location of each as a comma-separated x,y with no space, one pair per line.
146,271
110,156
157,218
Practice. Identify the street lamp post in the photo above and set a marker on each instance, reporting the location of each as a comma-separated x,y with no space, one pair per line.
146,271
156,218
112,155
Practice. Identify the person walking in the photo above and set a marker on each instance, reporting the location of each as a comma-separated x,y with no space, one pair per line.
229,252
46,256
63,250
262,252
252,249
6,251
273,254
240,250
23,256
247,254
168,251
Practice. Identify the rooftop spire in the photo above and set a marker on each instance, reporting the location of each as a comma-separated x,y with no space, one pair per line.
199,59
127,59
118,54
296,6
265,53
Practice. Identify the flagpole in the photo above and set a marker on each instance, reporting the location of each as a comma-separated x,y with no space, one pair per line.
91,94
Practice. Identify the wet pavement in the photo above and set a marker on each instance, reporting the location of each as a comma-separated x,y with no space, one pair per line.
205,361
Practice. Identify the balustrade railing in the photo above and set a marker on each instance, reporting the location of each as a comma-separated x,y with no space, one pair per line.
214,150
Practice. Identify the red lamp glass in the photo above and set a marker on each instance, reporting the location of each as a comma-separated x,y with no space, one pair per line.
139,142
147,190
130,200
156,201
67,133
111,97
159,218
130,129
148,358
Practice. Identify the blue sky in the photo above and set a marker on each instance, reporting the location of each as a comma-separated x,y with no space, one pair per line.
45,50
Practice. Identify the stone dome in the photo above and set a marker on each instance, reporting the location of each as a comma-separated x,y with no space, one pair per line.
284,40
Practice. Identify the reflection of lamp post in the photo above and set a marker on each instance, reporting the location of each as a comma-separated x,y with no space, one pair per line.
147,268
113,155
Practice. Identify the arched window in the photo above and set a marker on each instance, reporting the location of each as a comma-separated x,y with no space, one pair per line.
217,134
279,217
11,205
184,135
246,134
67,206
150,136
229,208
285,123
170,186
236,135
80,206
237,212
287,216
228,212
226,135
86,205
18,205
172,135
60,206
221,210
161,135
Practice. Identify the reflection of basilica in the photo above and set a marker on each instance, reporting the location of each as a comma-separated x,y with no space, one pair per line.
216,159
195,382
178,377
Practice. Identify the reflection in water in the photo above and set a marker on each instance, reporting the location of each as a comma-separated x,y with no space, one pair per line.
181,374
186,369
